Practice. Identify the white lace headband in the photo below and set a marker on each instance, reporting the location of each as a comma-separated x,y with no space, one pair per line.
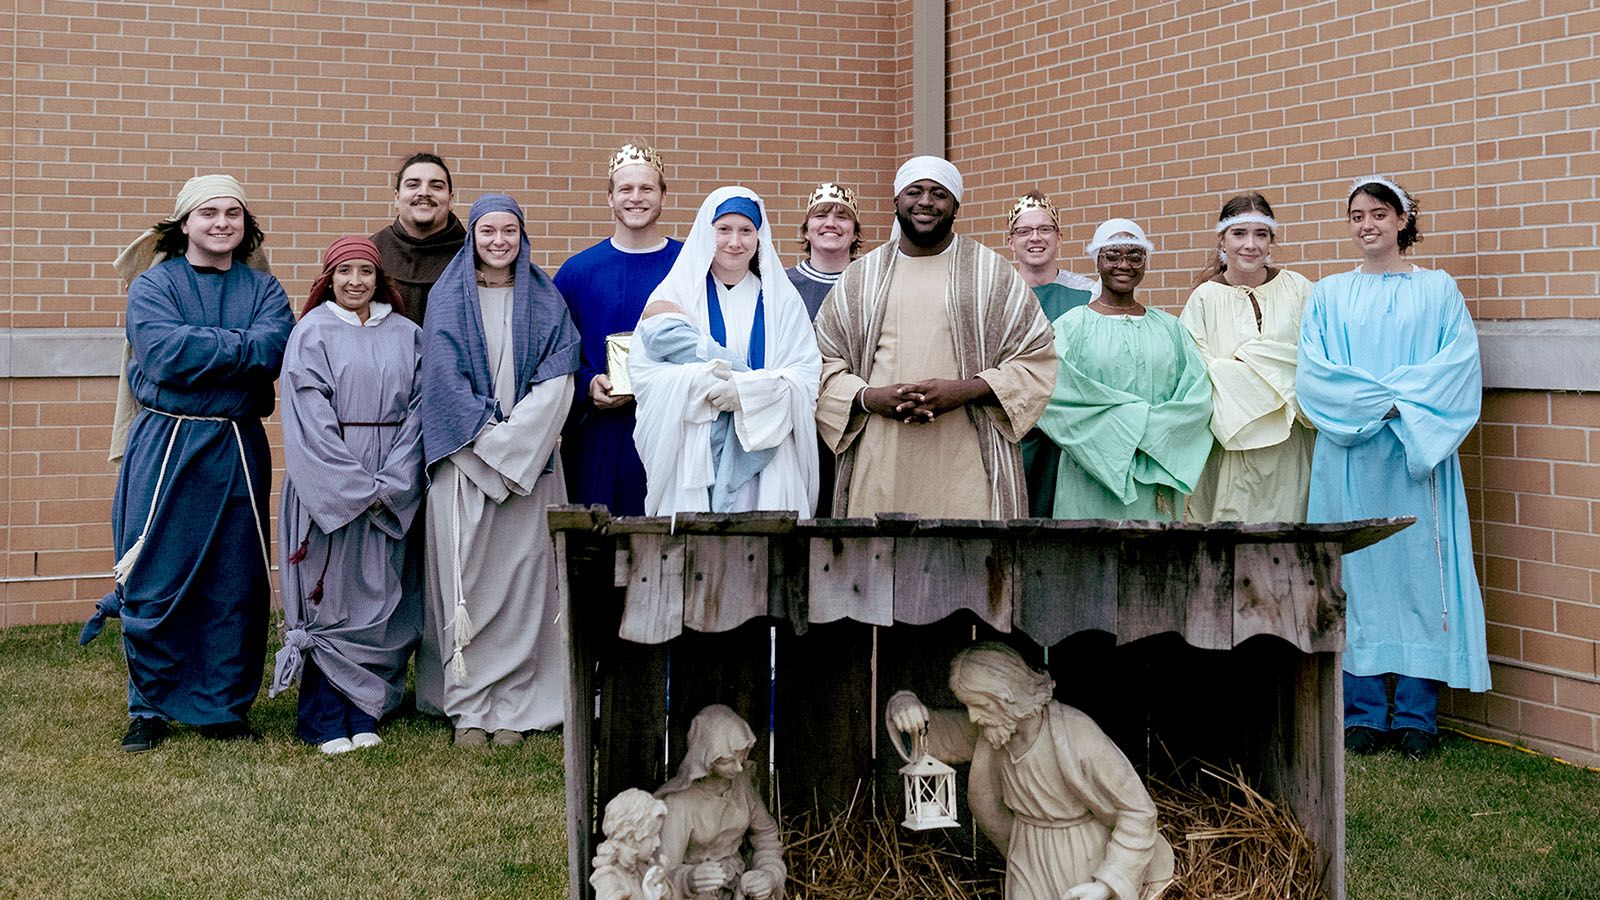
1248,218
1405,198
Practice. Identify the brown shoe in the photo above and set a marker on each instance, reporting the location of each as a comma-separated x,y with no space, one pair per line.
471,737
505,737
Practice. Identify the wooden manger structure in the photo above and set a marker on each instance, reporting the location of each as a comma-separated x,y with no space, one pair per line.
1213,642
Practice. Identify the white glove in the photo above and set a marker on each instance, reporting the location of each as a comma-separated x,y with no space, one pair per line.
724,395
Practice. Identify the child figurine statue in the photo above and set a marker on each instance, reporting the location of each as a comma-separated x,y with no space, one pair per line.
718,841
627,865
1056,797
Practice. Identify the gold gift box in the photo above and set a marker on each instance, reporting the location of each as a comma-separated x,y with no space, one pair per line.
617,362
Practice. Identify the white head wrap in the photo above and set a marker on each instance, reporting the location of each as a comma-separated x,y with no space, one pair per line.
934,168
1118,233
142,254
1405,198
1248,218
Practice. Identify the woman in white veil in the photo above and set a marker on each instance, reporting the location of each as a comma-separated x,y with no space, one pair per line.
725,370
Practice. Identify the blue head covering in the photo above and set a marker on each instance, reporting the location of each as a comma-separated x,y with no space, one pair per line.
742,206
457,388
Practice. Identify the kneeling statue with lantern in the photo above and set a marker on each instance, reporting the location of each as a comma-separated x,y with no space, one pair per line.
1060,802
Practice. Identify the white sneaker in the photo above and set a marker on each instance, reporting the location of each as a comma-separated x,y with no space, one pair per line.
336,746
365,739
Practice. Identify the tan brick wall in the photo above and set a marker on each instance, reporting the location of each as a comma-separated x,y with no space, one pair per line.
1532,469
1160,111
311,103
1486,110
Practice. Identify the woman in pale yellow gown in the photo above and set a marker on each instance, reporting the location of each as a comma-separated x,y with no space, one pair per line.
1244,316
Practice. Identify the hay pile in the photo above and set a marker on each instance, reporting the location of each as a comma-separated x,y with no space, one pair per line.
856,856
1231,843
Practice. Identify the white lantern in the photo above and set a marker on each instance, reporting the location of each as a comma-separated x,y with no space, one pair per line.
930,789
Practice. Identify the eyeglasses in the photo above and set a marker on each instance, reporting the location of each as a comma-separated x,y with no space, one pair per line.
1134,258
1040,230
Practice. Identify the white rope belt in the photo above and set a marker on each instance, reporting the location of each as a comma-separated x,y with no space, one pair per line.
461,627
124,566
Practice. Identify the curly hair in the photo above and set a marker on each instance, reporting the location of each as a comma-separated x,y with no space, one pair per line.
1410,235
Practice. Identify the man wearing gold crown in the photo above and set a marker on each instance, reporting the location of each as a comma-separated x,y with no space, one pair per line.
936,360
606,287
830,236
1035,246
1034,231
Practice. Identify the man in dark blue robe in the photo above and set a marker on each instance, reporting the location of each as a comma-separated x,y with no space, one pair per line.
189,519
606,287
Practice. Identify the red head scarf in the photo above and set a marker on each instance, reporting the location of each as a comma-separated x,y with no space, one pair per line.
343,250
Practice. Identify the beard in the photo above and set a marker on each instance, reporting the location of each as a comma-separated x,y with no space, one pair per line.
930,238
998,733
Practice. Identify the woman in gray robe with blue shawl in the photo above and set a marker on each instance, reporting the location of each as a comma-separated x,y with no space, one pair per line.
499,350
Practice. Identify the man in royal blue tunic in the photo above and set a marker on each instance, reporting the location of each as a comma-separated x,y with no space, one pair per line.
206,330
606,287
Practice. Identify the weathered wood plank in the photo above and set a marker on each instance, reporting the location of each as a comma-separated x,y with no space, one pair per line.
725,581
788,581
577,737
654,610
937,576
1278,590
852,578
1178,585
1064,588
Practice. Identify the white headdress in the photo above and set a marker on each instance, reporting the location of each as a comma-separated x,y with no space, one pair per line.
916,168
1248,218
1405,198
1118,233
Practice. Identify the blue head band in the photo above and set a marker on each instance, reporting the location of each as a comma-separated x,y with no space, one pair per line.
743,206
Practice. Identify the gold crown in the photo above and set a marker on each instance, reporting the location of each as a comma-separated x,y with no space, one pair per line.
828,192
631,154
1029,203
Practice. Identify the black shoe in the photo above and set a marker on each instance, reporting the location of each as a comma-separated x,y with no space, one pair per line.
144,733
1416,744
1362,741
229,731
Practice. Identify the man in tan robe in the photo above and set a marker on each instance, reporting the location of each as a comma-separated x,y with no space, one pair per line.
1060,802
927,324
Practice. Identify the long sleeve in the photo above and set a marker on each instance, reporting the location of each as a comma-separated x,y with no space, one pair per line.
1113,789
174,352
1346,403
519,447
400,478
1098,426
839,420
1439,400
333,486
1022,385
1252,387
1177,436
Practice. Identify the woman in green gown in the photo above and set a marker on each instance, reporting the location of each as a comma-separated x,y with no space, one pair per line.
1131,410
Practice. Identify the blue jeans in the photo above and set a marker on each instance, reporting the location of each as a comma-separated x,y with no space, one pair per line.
1416,703
324,714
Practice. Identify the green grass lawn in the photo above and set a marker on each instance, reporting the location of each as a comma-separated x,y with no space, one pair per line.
417,818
